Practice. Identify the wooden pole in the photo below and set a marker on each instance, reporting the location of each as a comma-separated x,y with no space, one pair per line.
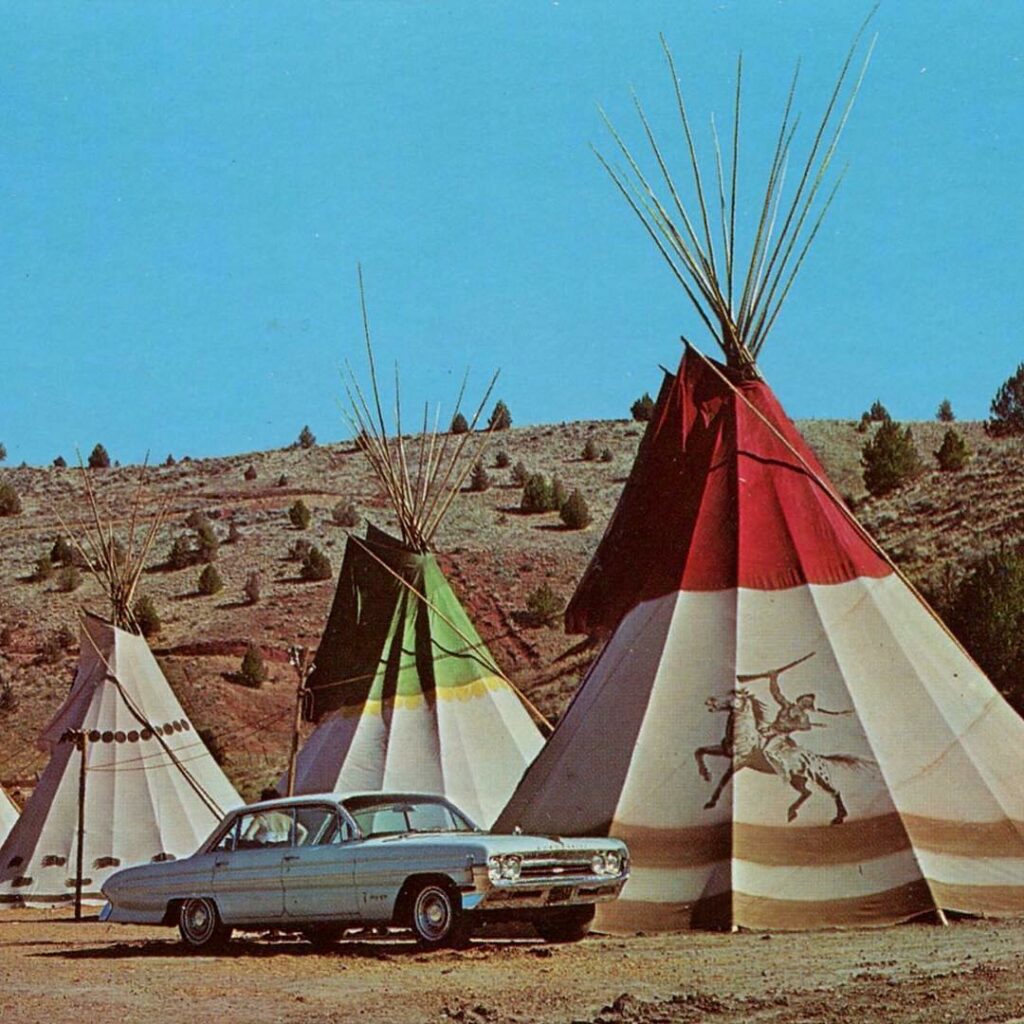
82,743
299,658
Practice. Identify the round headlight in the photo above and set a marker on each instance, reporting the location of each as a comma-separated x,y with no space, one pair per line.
612,863
511,868
597,864
494,868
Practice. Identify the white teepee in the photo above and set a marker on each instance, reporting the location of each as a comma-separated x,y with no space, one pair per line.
152,791
8,814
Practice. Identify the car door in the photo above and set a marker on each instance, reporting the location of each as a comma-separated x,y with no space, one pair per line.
248,868
319,869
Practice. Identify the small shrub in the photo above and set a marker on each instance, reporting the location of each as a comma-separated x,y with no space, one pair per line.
537,494
520,474
196,519
345,514
250,472
98,458
944,413
543,606
643,408
60,462
181,555
479,479
10,503
69,579
146,616
316,566
953,454
502,460
361,441
606,455
306,439
210,582
575,513
460,425
282,480
65,636
169,461
890,459
8,696
253,672
501,418
43,570
1007,409
3,453
234,533
299,515
252,588
62,553
590,450
206,542
863,423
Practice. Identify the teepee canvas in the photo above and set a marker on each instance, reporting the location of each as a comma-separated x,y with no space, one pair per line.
8,814
782,731
406,691
129,780
152,790
417,700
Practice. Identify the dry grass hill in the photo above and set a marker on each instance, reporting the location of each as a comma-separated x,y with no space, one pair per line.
495,557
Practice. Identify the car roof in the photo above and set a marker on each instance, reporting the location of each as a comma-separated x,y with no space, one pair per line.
337,798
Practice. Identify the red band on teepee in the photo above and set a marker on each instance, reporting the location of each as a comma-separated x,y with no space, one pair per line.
717,499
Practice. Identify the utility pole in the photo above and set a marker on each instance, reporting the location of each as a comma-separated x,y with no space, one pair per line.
299,659
82,743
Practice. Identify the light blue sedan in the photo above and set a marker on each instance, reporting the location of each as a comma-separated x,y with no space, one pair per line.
324,864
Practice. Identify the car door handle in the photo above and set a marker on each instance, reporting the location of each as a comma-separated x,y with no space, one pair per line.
220,863
291,856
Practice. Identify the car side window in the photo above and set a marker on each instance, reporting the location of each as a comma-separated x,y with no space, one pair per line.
315,826
266,828
229,840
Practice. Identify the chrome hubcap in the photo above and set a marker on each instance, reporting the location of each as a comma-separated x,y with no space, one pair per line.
433,913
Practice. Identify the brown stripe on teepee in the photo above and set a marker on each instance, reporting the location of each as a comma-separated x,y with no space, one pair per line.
890,906
814,845
980,899
782,845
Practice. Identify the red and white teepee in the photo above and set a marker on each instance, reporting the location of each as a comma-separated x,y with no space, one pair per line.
782,731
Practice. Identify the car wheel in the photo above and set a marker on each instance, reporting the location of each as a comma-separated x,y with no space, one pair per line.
436,917
565,925
200,925
323,936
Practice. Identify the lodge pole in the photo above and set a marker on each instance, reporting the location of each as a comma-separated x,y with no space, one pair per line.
299,657
81,742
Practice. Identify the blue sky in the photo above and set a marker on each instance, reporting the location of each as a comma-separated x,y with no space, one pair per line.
186,188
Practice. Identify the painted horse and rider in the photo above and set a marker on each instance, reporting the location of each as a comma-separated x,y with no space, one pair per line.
751,740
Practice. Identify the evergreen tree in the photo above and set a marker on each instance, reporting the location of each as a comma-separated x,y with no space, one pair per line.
98,458
643,408
944,413
307,439
460,425
501,418
1007,410
890,459
953,454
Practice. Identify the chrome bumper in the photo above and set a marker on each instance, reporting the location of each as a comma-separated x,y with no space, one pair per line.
533,893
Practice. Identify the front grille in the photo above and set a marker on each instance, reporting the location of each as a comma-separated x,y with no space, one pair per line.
567,865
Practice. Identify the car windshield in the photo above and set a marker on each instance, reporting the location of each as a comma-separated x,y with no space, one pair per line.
378,816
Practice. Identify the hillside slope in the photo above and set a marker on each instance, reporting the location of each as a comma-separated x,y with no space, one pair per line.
495,557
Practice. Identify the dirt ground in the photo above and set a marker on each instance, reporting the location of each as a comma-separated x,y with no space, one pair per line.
54,970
